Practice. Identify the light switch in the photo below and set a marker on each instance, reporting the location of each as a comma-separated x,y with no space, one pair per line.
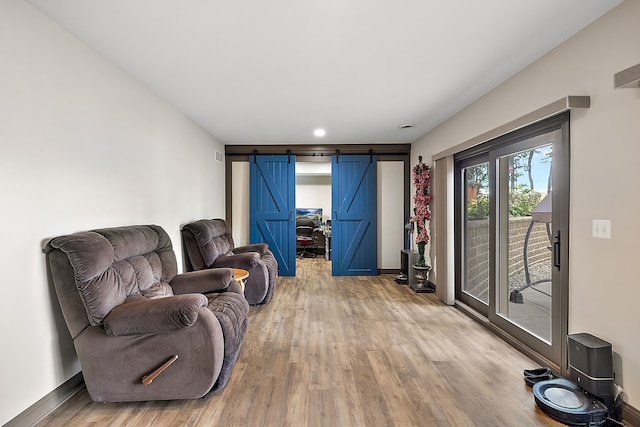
602,228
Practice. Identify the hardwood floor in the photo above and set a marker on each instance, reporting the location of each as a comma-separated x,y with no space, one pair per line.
348,351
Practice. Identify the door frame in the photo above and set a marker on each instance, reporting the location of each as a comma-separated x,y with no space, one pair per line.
561,161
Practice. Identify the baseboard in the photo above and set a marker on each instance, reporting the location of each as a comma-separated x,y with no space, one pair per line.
630,415
48,403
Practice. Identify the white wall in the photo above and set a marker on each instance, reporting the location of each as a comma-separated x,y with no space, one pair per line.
314,192
240,203
390,214
313,186
605,147
83,146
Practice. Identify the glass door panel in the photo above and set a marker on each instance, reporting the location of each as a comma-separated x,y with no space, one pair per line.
524,267
475,281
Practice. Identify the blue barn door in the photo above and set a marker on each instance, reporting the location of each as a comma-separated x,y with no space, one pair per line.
353,220
272,204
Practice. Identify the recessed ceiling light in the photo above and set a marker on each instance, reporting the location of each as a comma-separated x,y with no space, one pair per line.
319,132
406,126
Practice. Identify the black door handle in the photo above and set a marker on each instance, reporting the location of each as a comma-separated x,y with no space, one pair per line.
556,250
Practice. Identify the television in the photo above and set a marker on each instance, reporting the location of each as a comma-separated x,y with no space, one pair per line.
314,214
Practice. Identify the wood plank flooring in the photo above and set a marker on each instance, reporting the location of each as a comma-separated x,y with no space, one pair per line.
348,351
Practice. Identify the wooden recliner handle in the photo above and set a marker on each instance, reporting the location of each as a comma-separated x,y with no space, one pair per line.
148,379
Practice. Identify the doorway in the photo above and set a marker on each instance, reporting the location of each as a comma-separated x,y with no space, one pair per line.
393,189
313,202
511,201
273,211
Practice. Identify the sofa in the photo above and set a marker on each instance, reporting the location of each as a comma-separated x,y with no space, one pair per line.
141,331
208,243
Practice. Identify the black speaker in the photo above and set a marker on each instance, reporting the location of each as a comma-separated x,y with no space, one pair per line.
591,364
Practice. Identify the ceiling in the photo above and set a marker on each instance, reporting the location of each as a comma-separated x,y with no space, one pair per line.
270,72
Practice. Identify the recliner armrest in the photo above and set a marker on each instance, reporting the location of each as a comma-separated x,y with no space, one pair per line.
203,281
147,316
261,248
246,261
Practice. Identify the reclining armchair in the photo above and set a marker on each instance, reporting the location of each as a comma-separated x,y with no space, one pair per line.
208,244
141,331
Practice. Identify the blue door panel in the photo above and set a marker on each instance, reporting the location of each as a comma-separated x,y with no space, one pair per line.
272,207
354,216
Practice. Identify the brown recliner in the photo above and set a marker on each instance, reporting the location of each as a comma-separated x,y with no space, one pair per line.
208,244
129,313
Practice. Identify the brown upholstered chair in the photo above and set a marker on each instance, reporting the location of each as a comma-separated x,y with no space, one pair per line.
208,244
129,312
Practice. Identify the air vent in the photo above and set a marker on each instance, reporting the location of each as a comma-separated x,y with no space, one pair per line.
218,156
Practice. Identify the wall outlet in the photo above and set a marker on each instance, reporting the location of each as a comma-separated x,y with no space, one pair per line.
602,228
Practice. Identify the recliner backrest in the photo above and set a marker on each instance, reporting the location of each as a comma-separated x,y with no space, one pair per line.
113,264
212,239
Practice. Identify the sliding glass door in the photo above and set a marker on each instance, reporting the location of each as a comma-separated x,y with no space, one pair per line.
512,205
